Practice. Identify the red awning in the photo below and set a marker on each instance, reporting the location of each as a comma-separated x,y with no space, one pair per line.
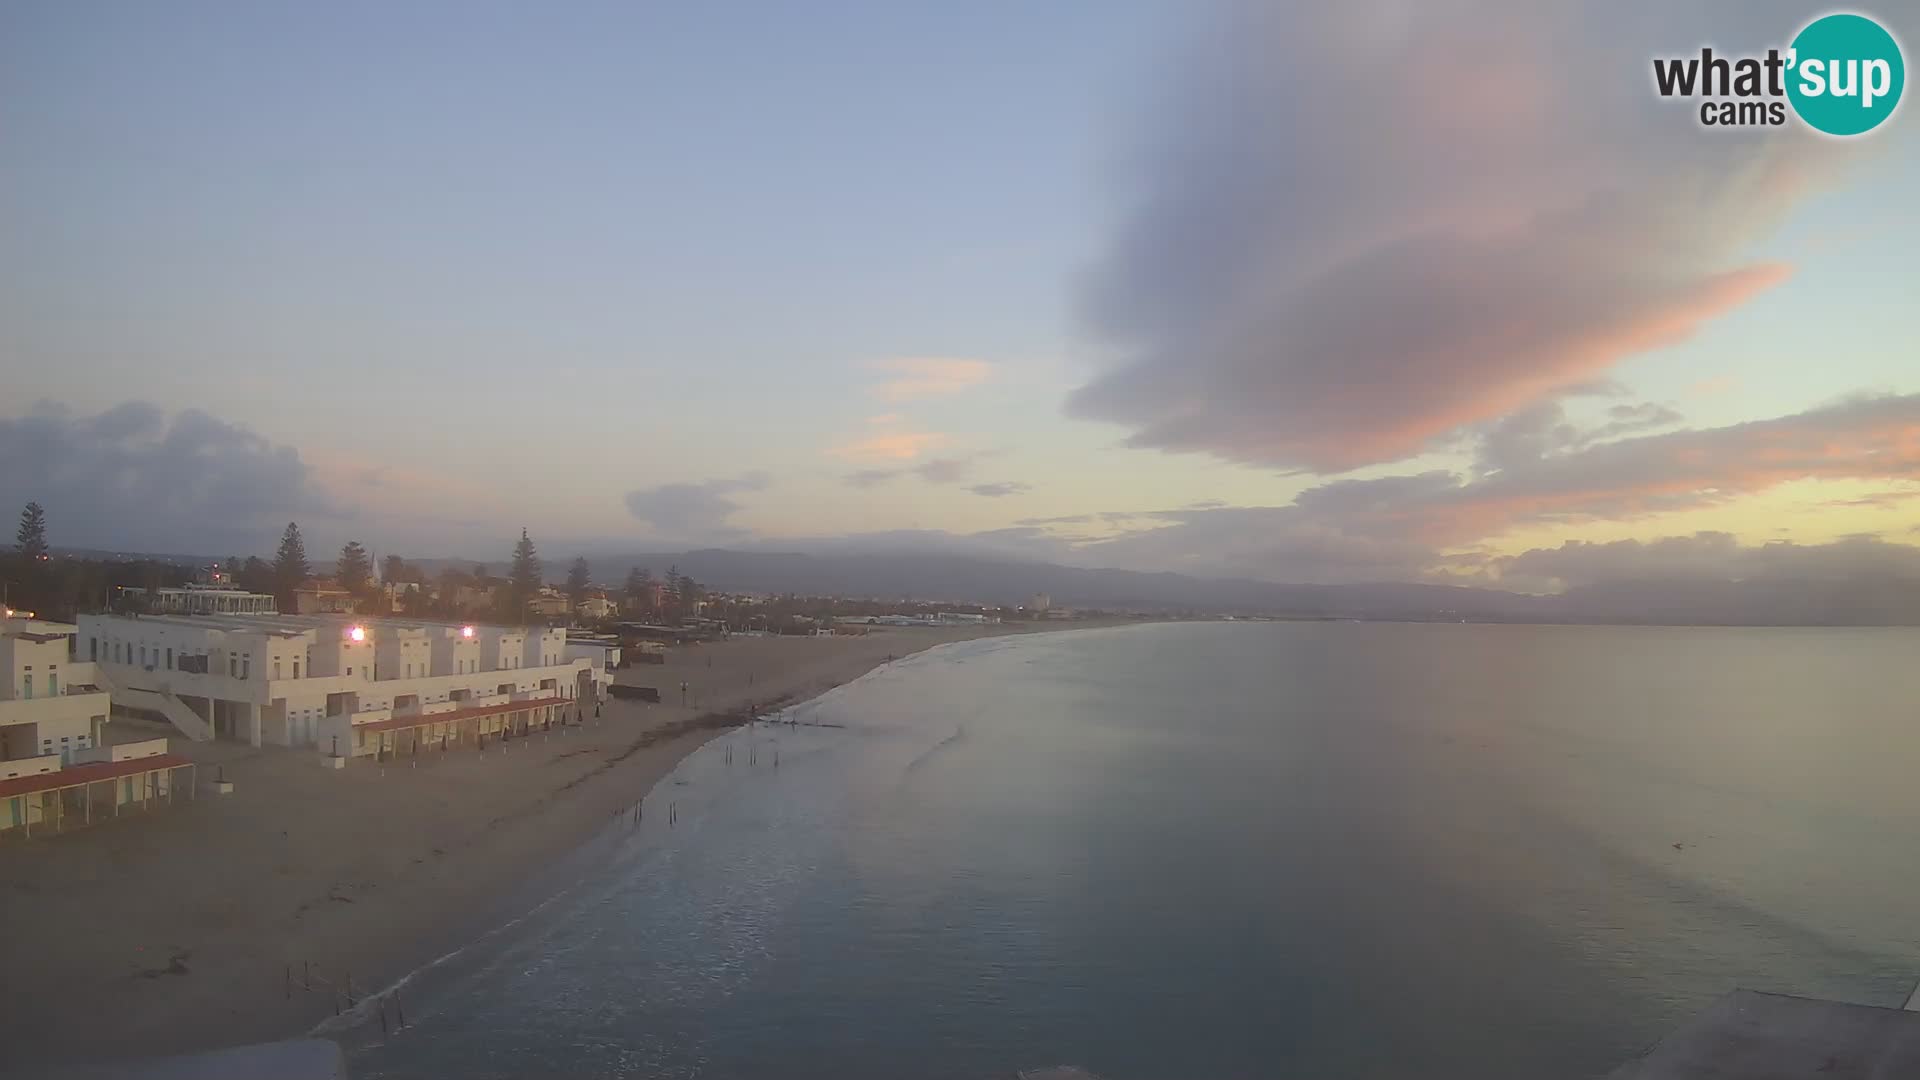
457,714
96,773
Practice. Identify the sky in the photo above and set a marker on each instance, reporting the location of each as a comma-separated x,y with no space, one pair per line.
1432,291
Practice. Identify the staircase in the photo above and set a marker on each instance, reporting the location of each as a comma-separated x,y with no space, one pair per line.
163,701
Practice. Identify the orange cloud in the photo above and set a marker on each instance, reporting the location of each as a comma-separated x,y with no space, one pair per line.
888,440
926,376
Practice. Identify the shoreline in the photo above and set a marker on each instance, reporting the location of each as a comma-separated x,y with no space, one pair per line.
241,918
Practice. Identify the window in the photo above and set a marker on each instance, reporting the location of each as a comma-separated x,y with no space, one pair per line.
93,650
246,666
143,656
296,669
27,688
233,666
169,659
53,685
349,671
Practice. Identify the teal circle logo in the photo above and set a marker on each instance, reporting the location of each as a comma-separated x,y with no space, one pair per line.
1846,74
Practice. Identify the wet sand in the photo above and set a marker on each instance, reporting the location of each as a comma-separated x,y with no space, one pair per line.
176,930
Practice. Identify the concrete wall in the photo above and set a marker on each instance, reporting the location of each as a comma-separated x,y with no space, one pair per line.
33,766
456,653
129,751
66,723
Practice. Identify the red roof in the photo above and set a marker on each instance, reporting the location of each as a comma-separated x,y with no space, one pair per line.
457,714
95,773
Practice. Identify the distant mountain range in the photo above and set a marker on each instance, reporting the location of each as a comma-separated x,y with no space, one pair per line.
971,579
958,578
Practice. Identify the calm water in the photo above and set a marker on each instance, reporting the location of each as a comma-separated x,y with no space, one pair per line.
1234,850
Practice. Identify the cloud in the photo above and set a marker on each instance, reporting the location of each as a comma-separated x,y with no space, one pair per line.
951,470
135,478
695,512
889,438
1542,430
867,478
911,378
1402,527
1357,229
1001,488
1709,557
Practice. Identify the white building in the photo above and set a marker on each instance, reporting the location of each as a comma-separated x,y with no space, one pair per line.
203,600
601,653
351,685
50,705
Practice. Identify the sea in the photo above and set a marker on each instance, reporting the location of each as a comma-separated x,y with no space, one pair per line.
1227,849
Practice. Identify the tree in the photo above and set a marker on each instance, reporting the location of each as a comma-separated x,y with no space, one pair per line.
670,593
354,571
254,575
451,580
394,568
32,537
415,599
640,590
579,576
524,580
289,566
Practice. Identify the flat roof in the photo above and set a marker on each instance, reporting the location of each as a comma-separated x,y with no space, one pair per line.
283,622
95,773
422,720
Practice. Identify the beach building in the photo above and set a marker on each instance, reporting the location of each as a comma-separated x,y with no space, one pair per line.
596,609
1040,603
50,705
56,770
204,599
602,654
347,686
50,795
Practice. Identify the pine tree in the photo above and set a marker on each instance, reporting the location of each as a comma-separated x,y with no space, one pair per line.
393,568
674,597
32,537
579,576
354,572
289,566
524,580
254,575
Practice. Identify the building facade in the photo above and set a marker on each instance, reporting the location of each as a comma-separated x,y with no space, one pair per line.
339,684
51,705
213,599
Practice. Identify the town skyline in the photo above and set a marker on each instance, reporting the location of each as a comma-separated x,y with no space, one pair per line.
1118,305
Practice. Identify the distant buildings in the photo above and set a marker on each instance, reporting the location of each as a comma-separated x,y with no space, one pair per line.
322,597
209,599
596,609
547,605
1040,604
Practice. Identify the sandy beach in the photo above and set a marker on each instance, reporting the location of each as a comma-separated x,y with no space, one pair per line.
175,930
